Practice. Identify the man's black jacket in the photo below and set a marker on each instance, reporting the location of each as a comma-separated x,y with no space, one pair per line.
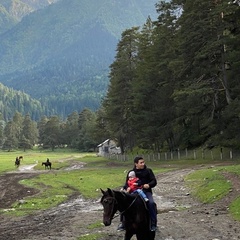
146,176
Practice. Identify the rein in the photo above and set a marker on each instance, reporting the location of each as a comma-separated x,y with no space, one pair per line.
126,208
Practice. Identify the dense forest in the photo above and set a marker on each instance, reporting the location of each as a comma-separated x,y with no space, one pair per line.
174,83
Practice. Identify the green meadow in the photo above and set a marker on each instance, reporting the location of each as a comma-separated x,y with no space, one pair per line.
57,185
209,185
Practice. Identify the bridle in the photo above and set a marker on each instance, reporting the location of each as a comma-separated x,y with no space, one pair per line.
116,203
113,205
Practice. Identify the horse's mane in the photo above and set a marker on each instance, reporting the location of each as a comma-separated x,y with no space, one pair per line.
112,193
123,196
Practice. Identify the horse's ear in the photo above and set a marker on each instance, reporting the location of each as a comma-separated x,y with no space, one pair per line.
110,192
102,191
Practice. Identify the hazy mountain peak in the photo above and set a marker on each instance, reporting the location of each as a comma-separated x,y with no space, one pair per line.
17,9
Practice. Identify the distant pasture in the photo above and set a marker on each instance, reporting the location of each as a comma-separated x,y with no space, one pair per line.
58,158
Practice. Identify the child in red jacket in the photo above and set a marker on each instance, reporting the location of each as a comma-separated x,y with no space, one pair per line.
134,185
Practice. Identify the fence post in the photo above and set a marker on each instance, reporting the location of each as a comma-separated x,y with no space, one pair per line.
212,155
203,156
194,154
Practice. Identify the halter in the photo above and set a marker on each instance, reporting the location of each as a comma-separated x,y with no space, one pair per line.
120,213
114,202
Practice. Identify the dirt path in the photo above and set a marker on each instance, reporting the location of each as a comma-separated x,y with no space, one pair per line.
195,221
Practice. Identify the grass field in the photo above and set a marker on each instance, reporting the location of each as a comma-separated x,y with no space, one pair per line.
7,159
56,186
209,185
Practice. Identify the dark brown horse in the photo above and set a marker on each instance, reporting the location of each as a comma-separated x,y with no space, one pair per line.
17,162
134,210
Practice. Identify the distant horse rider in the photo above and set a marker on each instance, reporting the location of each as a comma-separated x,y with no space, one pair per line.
17,162
47,164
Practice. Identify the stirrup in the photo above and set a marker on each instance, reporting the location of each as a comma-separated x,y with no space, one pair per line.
121,227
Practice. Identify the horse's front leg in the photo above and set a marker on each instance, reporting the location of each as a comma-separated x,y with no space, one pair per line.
128,235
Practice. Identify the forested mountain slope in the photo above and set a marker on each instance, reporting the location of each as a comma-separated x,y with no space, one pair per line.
12,101
60,54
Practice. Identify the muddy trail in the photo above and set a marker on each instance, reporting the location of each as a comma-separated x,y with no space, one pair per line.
180,215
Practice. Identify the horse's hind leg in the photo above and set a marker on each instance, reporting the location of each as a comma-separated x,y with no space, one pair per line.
142,237
128,236
147,235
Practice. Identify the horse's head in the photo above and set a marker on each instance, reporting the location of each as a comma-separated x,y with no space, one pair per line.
109,203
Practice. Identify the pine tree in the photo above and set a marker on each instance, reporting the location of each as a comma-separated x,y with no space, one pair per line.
52,133
29,133
71,130
41,129
10,141
119,100
86,125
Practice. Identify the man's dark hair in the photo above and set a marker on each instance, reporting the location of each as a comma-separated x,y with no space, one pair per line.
136,159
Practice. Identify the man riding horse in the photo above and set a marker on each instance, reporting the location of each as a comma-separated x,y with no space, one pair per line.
148,181
47,164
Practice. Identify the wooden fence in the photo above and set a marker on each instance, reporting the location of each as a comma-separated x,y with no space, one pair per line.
214,154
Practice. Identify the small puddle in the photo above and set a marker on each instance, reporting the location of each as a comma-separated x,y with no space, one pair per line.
83,205
75,167
164,205
27,168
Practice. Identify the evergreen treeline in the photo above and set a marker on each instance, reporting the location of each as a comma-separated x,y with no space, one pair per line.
175,82
77,131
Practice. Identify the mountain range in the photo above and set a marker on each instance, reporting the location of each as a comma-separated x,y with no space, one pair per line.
12,11
59,52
